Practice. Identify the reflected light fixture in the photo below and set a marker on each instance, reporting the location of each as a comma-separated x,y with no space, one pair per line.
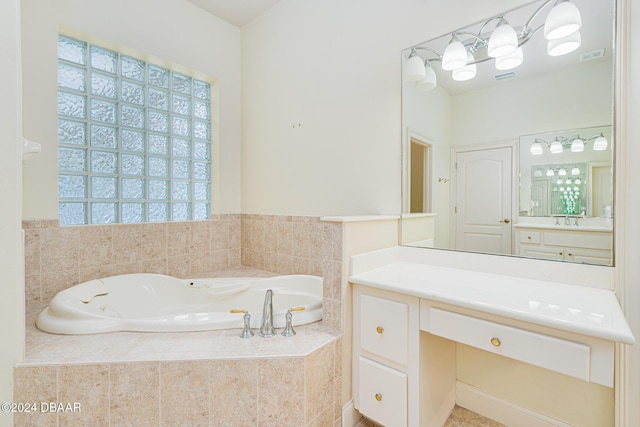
501,43
575,170
562,172
537,173
536,148
577,181
467,72
600,144
577,145
510,61
550,172
564,45
430,81
556,147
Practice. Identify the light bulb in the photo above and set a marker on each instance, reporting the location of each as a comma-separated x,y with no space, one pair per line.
575,171
550,172
562,172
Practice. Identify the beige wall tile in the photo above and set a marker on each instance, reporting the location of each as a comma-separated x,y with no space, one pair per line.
179,266
32,252
233,398
184,394
325,419
55,281
32,289
319,382
281,401
87,385
96,245
257,235
285,238
35,384
301,239
134,394
220,235
59,249
178,235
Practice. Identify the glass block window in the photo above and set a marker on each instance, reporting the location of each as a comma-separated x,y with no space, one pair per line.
133,137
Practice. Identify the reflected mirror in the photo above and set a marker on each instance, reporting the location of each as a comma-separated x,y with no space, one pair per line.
507,135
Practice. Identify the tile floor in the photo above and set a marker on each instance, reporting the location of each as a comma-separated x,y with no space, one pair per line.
460,417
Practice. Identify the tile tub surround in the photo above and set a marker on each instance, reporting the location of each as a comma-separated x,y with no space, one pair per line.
57,257
297,245
277,391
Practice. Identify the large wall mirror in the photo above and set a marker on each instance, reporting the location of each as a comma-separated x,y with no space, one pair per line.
507,133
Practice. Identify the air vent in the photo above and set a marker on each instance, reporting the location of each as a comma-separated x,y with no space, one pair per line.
504,76
590,56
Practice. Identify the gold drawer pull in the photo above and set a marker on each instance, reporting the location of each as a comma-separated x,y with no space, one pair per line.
378,397
379,329
529,237
495,342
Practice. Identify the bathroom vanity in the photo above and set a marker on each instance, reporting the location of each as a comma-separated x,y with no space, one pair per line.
581,244
409,314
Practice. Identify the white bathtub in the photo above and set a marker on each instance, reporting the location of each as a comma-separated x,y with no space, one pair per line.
158,303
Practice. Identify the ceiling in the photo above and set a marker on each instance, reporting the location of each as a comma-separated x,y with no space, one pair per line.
236,12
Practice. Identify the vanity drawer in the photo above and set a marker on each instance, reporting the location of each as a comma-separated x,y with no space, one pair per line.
384,328
548,352
383,393
529,237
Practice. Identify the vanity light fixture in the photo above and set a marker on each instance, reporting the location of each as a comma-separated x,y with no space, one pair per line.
600,144
576,143
467,72
429,81
550,172
536,147
577,181
562,172
537,173
564,45
503,40
414,69
564,19
559,181
455,55
568,181
575,171
503,43
556,147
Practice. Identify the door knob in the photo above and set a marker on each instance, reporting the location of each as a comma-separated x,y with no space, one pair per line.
506,220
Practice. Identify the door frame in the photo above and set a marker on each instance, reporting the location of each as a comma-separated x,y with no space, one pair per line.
515,173
412,135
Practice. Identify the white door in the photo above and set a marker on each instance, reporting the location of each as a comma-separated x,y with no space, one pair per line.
483,200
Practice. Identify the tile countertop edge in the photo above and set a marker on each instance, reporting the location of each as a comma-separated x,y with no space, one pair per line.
396,277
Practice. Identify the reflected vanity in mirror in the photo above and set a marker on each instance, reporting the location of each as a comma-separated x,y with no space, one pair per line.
507,135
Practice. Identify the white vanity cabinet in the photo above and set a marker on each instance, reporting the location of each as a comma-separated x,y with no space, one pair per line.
400,377
408,319
566,244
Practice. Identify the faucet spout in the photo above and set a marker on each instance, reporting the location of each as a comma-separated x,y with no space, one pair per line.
266,327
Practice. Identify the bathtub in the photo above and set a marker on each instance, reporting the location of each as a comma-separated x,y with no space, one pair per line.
159,303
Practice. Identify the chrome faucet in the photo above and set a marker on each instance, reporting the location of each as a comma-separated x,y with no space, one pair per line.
266,327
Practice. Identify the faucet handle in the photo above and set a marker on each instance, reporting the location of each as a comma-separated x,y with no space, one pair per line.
246,330
288,329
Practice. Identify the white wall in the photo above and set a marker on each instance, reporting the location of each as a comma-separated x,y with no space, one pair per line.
11,254
333,67
175,31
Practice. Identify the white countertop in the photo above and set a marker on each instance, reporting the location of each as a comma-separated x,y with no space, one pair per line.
565,227
582,310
